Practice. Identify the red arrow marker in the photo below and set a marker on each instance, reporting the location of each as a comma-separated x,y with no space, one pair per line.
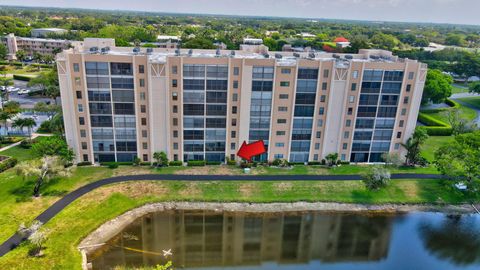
247,151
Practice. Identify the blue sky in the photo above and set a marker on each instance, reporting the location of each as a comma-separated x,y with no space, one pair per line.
440,11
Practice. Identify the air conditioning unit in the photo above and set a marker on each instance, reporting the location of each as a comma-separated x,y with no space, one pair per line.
311,54
149,50
190,52
297,55
278,56
217,52
177,52
349,57
93,49
136,50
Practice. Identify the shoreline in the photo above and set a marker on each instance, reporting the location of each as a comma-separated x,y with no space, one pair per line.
96,239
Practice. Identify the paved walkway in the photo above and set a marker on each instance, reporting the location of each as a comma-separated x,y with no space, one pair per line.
58,206
34,135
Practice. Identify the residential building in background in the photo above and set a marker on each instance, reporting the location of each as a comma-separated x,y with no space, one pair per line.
120,103
33,45
45,32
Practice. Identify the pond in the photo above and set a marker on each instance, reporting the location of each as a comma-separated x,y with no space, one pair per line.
295,240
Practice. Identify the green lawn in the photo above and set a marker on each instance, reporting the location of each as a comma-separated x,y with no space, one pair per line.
440,114
432,144
84,215
459,89
473,101
20,153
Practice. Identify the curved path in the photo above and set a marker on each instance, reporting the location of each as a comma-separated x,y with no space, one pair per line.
58,206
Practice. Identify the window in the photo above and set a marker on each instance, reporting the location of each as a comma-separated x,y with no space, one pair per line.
409,87
175,133
345,146
233,134
281,121
144,121
175,146
351,99
397,146
174,69
325,73
401,123
142,82
346,134
283,96
81,121
234,122
286,71
143,108
76,67
411,75
282,109
355,74
232,146
80,107
321,111
280,133
79,94
84,145
85,157
323,98
348,123
350,111
320,123
142,95
83,133
145,157
405,100
324,86
144,133
404,111
174,96
234,109
141,69
235,84
278,156
175,122
175,157
343,157
174,83
319,134
144,145
121,69
77,81
315,157
236,71
317,146
281,144
284,84
354,87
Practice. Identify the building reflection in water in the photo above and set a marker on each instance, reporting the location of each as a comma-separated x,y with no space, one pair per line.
212,239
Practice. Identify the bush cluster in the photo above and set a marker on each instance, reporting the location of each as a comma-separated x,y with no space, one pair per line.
196,163
7,164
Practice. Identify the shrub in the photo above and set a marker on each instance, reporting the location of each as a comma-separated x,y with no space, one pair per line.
314,163
434,126
113,165
196,163
26,144
7,164
376,178
136,161
280,162
344,162
324,162
213,163
19,77
231,162
175,163
84,163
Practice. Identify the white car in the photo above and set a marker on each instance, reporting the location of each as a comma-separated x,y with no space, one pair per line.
23,91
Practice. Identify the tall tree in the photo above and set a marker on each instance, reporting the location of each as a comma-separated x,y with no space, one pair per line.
438,87
3,51
414,144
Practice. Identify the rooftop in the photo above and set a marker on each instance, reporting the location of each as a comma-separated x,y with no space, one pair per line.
49,29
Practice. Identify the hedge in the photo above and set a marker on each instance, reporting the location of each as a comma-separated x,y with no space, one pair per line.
109,163
213,162
84,163
196,163
7,164
25,78
175,163
434,126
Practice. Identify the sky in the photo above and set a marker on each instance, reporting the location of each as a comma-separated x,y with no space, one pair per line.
437,11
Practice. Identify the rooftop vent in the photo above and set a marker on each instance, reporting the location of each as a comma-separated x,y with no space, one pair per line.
311,54
177,52
278,56
149,50
94,49
217,52
136,50
296,55
105,50
336,56
374,57
232,53
266,55
349,57
190,52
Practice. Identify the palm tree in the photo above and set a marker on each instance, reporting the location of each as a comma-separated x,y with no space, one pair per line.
5,116
19,123
29,123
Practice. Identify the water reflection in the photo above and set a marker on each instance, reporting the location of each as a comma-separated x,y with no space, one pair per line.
455,238
209,239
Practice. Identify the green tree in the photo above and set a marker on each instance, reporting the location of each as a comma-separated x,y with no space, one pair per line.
384,41
413,146
438,87
47,82
29,123
455,40
21,55
474,87
199,43
49,109
460,159
53,146
271,44
331,158
3,51
42,170
161,158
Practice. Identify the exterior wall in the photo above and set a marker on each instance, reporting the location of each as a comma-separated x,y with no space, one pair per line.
159,105
33,45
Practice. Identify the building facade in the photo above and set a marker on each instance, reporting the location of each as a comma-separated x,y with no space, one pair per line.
42,46
121,103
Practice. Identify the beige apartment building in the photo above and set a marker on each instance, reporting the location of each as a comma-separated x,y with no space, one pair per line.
30,45
121,103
